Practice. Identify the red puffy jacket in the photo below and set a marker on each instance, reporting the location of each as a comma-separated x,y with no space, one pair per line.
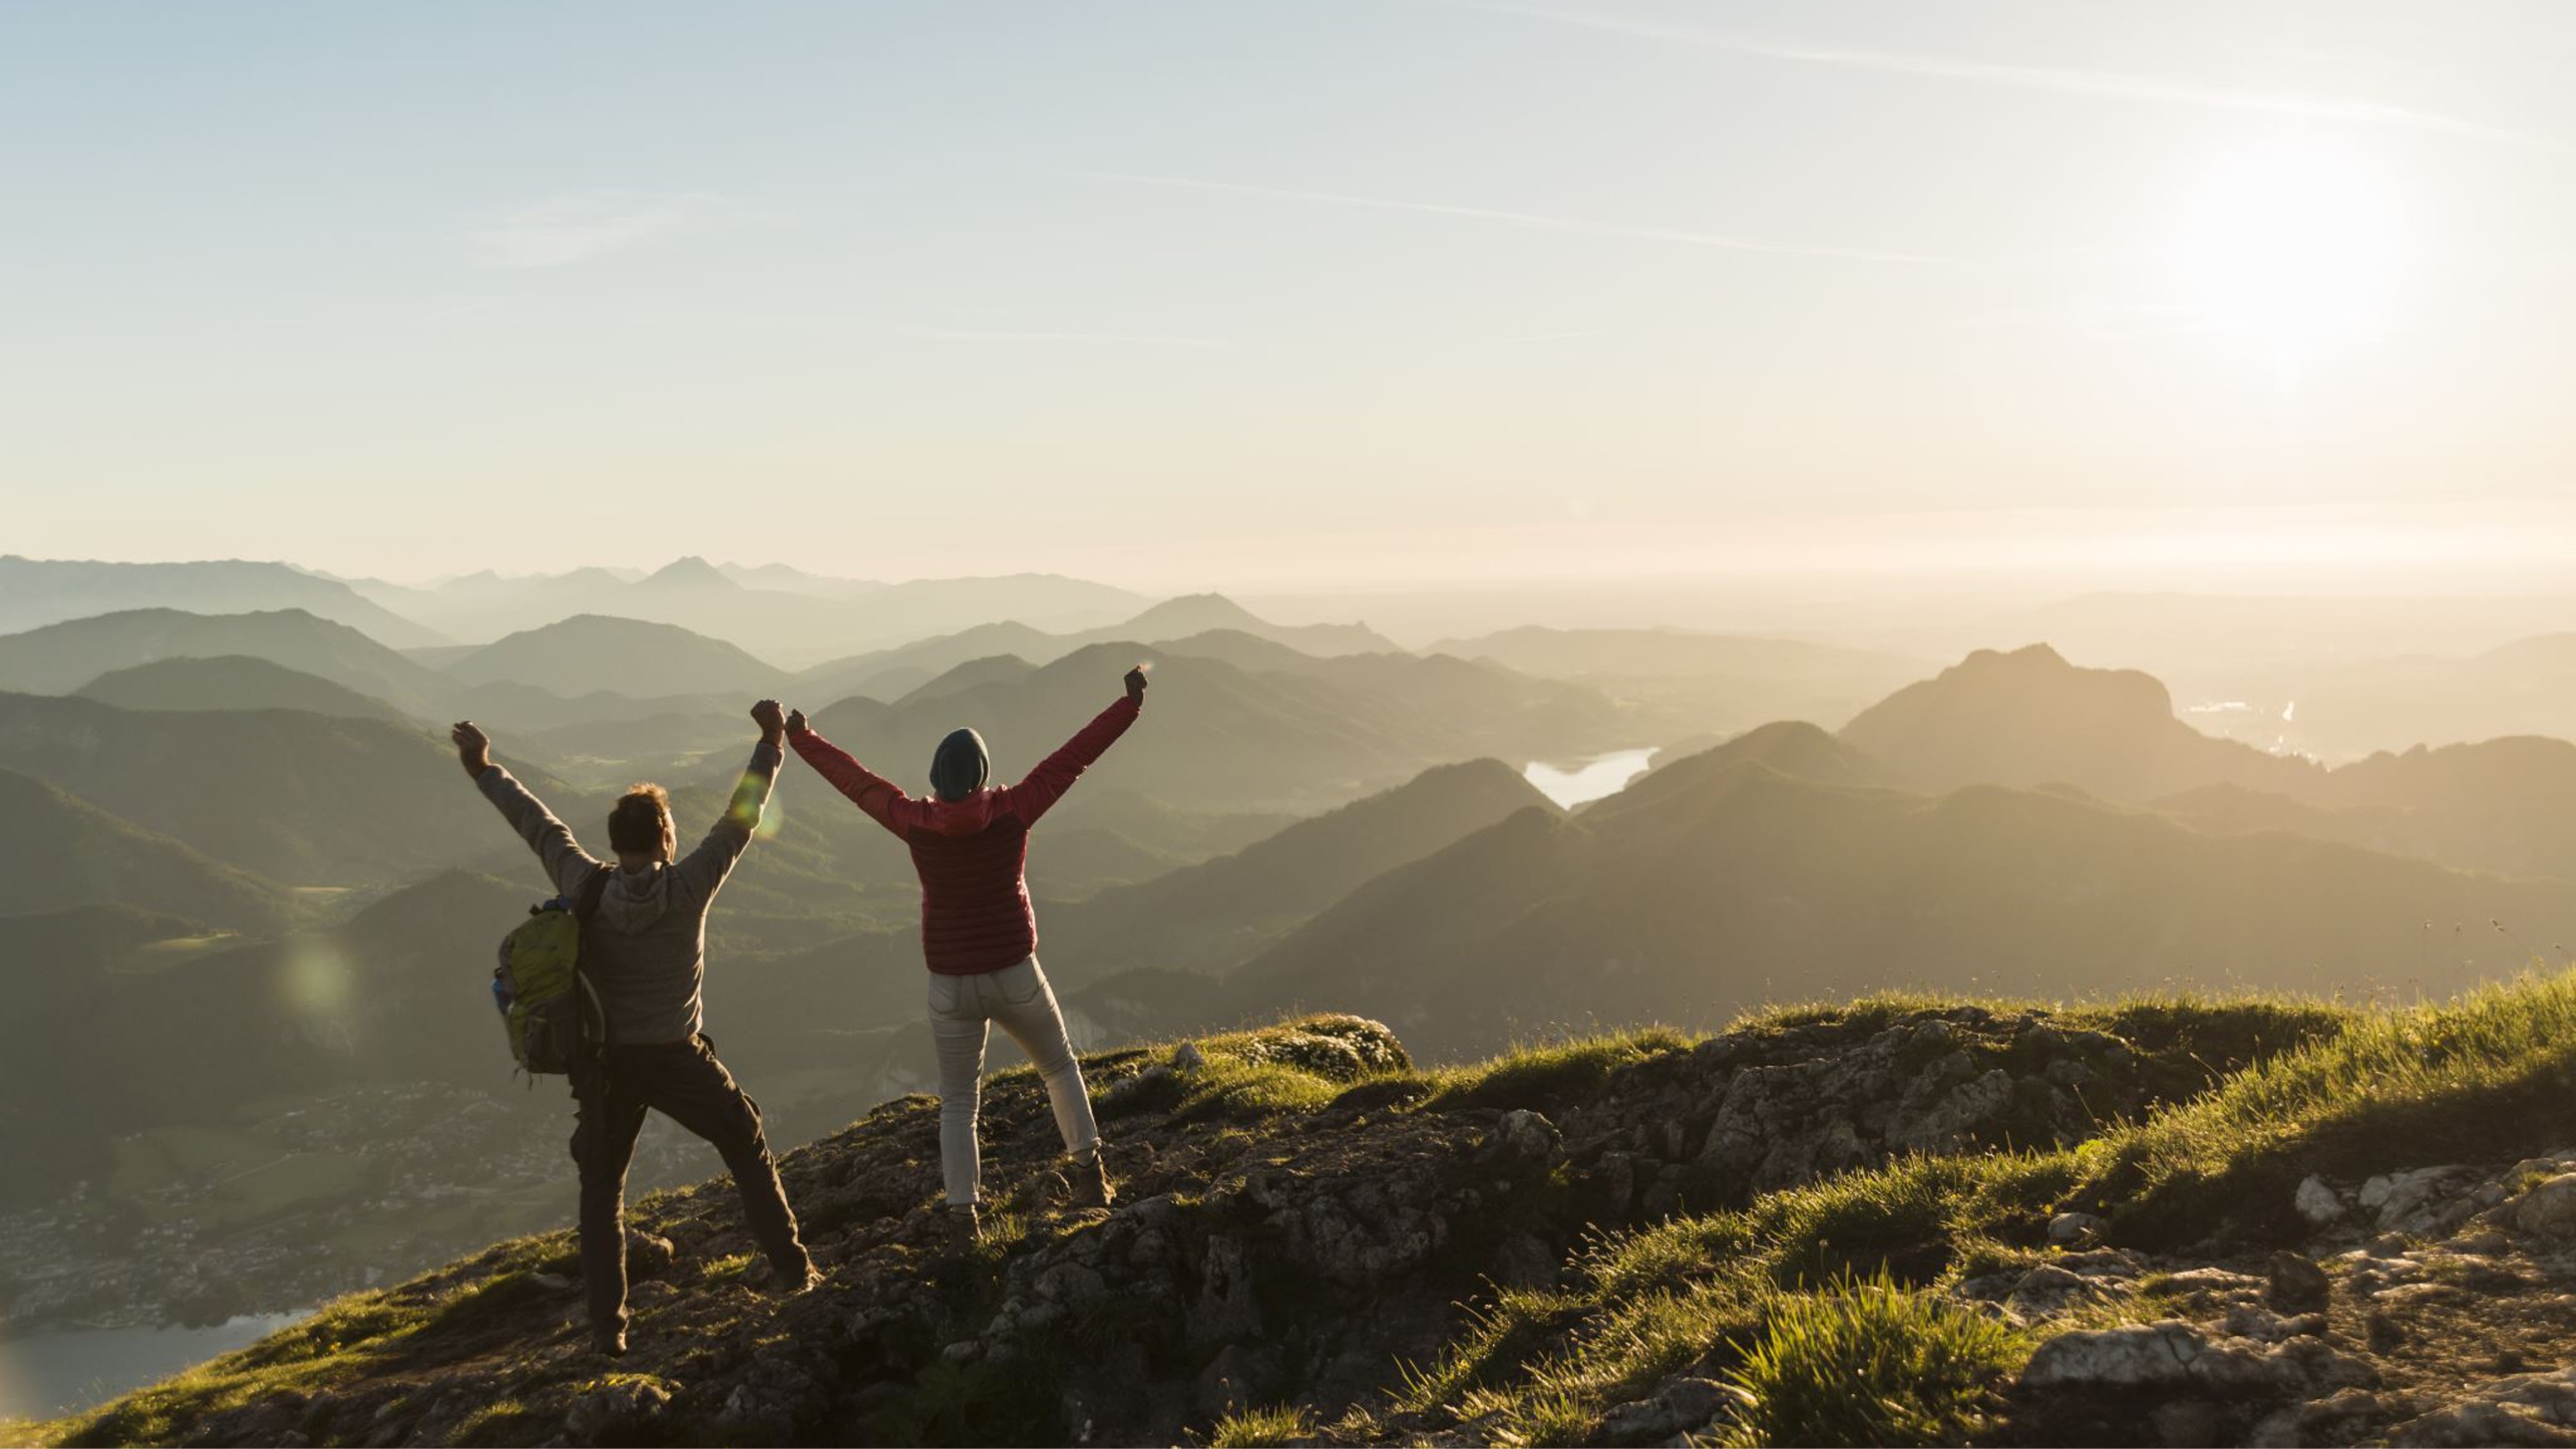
971,854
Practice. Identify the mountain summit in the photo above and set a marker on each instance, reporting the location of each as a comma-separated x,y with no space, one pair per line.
2029,717
1893,1221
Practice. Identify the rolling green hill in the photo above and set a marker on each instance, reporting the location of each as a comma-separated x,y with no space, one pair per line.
233,682
61,851
594,653
298,798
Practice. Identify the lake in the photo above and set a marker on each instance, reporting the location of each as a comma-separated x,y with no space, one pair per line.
1601,775
59,1371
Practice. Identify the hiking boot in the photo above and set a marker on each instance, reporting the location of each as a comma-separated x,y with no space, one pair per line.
611,1344
789,1282
1091,1187
963,1229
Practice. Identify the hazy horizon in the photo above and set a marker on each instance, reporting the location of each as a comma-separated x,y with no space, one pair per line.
1298,297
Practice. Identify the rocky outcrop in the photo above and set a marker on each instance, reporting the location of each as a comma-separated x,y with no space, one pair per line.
1261,1255
2413,1316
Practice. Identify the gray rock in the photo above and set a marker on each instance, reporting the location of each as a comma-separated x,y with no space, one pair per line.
1228,1310
611,1410
2172,1355
2265,1326
648,1256
2296,1285
2069,1229
2187,1423
2318,1203
1527,1137
1678,1406
2399,1195
2048,1290
2523,1409
1237,1378
1525,1261
1188,1058
2549,1208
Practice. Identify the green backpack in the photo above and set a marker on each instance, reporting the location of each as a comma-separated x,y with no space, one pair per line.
551,1011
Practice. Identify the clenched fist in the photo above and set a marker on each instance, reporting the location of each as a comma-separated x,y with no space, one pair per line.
771,719
1136,684
473,747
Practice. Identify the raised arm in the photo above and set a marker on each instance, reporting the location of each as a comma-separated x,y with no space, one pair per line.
1036,795
566,863
707,866
880,797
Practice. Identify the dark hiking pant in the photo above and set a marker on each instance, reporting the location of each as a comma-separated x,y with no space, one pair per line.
683,1081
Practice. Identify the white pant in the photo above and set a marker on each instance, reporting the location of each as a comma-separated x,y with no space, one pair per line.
962,1009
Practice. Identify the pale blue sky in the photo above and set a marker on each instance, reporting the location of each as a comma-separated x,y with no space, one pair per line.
1299,292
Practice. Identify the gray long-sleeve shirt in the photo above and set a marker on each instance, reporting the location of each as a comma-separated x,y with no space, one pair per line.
646,949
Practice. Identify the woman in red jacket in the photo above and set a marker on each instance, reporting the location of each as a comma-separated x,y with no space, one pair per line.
970,845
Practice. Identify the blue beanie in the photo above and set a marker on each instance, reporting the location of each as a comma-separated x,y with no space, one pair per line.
959,768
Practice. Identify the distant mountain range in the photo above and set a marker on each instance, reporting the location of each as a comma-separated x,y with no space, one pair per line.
2028,717
1216,737
773,612
37,592
1719,683
1747,885
891,674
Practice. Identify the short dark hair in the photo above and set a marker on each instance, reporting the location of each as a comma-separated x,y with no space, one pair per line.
635,827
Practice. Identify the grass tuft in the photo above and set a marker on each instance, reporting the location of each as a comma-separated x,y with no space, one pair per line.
1544,1075
1870,1361
1254,1428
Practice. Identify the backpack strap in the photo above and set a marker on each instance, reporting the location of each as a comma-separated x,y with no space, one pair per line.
586,905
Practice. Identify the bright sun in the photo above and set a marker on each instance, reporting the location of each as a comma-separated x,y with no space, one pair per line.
2291,243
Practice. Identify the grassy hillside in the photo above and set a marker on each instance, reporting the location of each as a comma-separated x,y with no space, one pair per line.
296,797
1890,1221
61,851
54,965
165,1023
231,681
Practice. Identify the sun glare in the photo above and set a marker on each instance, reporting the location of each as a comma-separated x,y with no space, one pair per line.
2291,243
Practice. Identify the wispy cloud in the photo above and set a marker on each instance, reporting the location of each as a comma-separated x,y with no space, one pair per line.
2114,85
565,230
944,334
1722,241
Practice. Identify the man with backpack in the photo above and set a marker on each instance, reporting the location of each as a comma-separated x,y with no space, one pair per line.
643,951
